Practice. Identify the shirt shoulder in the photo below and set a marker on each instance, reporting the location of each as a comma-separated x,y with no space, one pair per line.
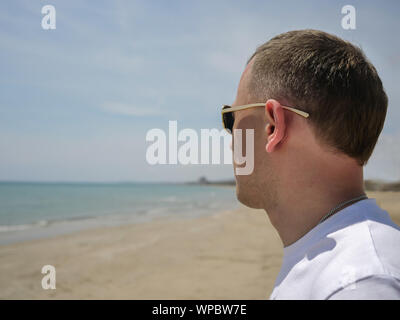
359,242
371,288
385,238
364,250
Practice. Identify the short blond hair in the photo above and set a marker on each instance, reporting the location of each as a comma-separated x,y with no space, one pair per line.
329,78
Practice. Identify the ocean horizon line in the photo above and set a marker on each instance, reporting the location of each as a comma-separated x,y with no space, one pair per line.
83,182
199,181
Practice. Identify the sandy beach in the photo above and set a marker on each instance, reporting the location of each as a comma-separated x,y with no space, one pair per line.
229,255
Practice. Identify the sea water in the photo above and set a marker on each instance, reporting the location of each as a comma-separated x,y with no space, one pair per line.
35,210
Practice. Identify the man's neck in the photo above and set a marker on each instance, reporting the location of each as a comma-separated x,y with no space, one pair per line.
297,213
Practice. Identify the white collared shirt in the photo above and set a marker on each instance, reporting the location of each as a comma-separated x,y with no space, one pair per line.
354,254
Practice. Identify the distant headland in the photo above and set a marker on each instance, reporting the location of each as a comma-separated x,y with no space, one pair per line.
369,185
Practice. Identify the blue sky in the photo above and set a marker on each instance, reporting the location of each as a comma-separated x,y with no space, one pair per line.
76,102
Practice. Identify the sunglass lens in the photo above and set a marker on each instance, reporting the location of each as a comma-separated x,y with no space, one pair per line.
228,121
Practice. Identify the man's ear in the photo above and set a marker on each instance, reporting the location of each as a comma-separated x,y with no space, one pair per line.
276,124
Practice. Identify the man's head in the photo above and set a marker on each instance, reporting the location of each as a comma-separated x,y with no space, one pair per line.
328,78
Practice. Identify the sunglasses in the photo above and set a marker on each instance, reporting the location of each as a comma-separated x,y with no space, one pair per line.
228,117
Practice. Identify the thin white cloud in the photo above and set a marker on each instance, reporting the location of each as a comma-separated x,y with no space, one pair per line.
226,62
129,110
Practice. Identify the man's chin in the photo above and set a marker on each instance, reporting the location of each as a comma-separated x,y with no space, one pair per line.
246,199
